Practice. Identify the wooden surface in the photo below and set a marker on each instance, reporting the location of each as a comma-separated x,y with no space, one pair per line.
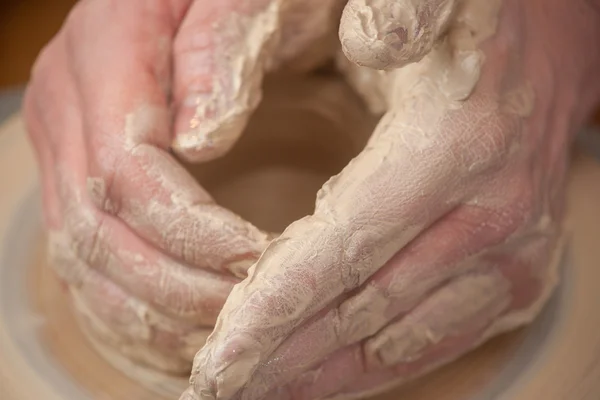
566,368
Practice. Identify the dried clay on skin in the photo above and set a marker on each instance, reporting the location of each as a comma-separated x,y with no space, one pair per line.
443,72
423,91
246,47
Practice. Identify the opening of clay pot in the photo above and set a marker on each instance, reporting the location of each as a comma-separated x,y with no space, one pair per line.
305,131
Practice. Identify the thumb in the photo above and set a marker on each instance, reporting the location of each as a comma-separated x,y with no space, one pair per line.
363,216
388,34
220,55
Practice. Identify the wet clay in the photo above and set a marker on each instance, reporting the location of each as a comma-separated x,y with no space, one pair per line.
300,136
562,370
305,130
107,376
268,35
445,75
565,367
416,98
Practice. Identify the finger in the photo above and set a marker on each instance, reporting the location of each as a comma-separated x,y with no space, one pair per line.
45,159
308,34
126,322
221,52
446,324
117,321
388,34
533,270
82,227
109,247
162,203
214,94
448,248
426,156
469,303
348,377
40,103
330,253
131,174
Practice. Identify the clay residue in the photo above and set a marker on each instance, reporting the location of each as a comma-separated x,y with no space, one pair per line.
241,58
291,33
447,72
345,233
387,34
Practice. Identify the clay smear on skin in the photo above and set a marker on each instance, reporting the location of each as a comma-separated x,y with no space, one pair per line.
238,96
446,86
240,66
386,34
245,48
445,78
189,220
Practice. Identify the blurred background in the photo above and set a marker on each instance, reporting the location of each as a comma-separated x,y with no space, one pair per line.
25,27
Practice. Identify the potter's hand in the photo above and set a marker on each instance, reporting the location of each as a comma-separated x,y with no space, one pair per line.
443,232
148,256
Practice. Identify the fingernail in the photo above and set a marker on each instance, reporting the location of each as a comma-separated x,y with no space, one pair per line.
209,124
209,140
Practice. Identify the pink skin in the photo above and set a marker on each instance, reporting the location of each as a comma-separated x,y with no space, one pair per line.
107,97
316,327
115,58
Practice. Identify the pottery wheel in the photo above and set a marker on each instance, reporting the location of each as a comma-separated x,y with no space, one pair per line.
44,355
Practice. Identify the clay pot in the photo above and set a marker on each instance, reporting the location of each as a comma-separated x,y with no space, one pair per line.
305,131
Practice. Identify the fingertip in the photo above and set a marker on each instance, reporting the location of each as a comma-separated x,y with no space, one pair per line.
325,380
188,394
200,137
390,34
360,36
224,366
218,75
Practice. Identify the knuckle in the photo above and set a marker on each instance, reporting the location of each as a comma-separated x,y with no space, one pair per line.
86,230
63,261
90,244
487,137
98,190
395,35
522,202
43,69
513,208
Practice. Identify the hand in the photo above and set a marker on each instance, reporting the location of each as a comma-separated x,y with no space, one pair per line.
444,232
148,257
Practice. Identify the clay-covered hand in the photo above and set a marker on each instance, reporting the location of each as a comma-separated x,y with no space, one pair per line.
445,230
147,255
